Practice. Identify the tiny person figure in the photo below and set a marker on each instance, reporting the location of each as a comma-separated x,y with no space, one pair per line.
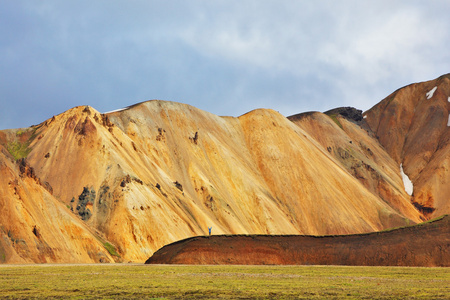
209,228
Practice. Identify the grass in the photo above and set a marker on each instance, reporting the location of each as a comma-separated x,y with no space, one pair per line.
125,281
18,150
111,249
336,120
413,225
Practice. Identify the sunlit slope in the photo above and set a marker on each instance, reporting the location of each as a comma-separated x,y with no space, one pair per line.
318,192
162,171
412,124
35,227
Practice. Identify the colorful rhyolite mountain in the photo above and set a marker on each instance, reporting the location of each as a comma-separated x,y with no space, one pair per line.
89,187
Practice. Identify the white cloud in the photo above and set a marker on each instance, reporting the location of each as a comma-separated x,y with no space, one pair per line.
367,44
390,47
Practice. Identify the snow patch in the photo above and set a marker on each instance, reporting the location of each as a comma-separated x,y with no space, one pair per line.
365,117
448,123
120,109
448,99
431,92
409,187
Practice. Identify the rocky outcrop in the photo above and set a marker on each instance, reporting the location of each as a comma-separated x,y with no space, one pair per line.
85,203
422,245
350,113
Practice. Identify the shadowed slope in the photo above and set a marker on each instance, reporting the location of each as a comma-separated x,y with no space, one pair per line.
412,125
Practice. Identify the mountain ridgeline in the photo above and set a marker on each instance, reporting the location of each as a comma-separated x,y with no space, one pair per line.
90,187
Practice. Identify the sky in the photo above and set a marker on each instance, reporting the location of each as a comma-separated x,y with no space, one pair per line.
225,57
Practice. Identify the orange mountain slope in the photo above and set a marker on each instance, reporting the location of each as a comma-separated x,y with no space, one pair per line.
158,171
413,125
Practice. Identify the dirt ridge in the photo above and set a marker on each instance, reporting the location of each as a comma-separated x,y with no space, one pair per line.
426,245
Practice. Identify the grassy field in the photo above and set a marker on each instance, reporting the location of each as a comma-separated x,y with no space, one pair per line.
127,281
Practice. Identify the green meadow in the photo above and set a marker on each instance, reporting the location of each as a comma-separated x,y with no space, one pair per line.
132,281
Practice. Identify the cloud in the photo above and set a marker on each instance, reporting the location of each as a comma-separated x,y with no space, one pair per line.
391,47
221,56
354,47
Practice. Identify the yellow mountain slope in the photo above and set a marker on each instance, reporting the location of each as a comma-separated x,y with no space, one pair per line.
35,227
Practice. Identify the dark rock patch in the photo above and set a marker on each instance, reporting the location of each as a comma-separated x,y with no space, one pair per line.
161,135
86,199
36,232
178,185
425,210
195,138
350,113
25,169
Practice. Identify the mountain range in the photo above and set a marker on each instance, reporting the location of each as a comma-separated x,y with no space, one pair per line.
86,186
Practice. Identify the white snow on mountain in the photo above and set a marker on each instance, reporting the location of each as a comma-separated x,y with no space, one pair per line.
431,92
120,109
409,187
